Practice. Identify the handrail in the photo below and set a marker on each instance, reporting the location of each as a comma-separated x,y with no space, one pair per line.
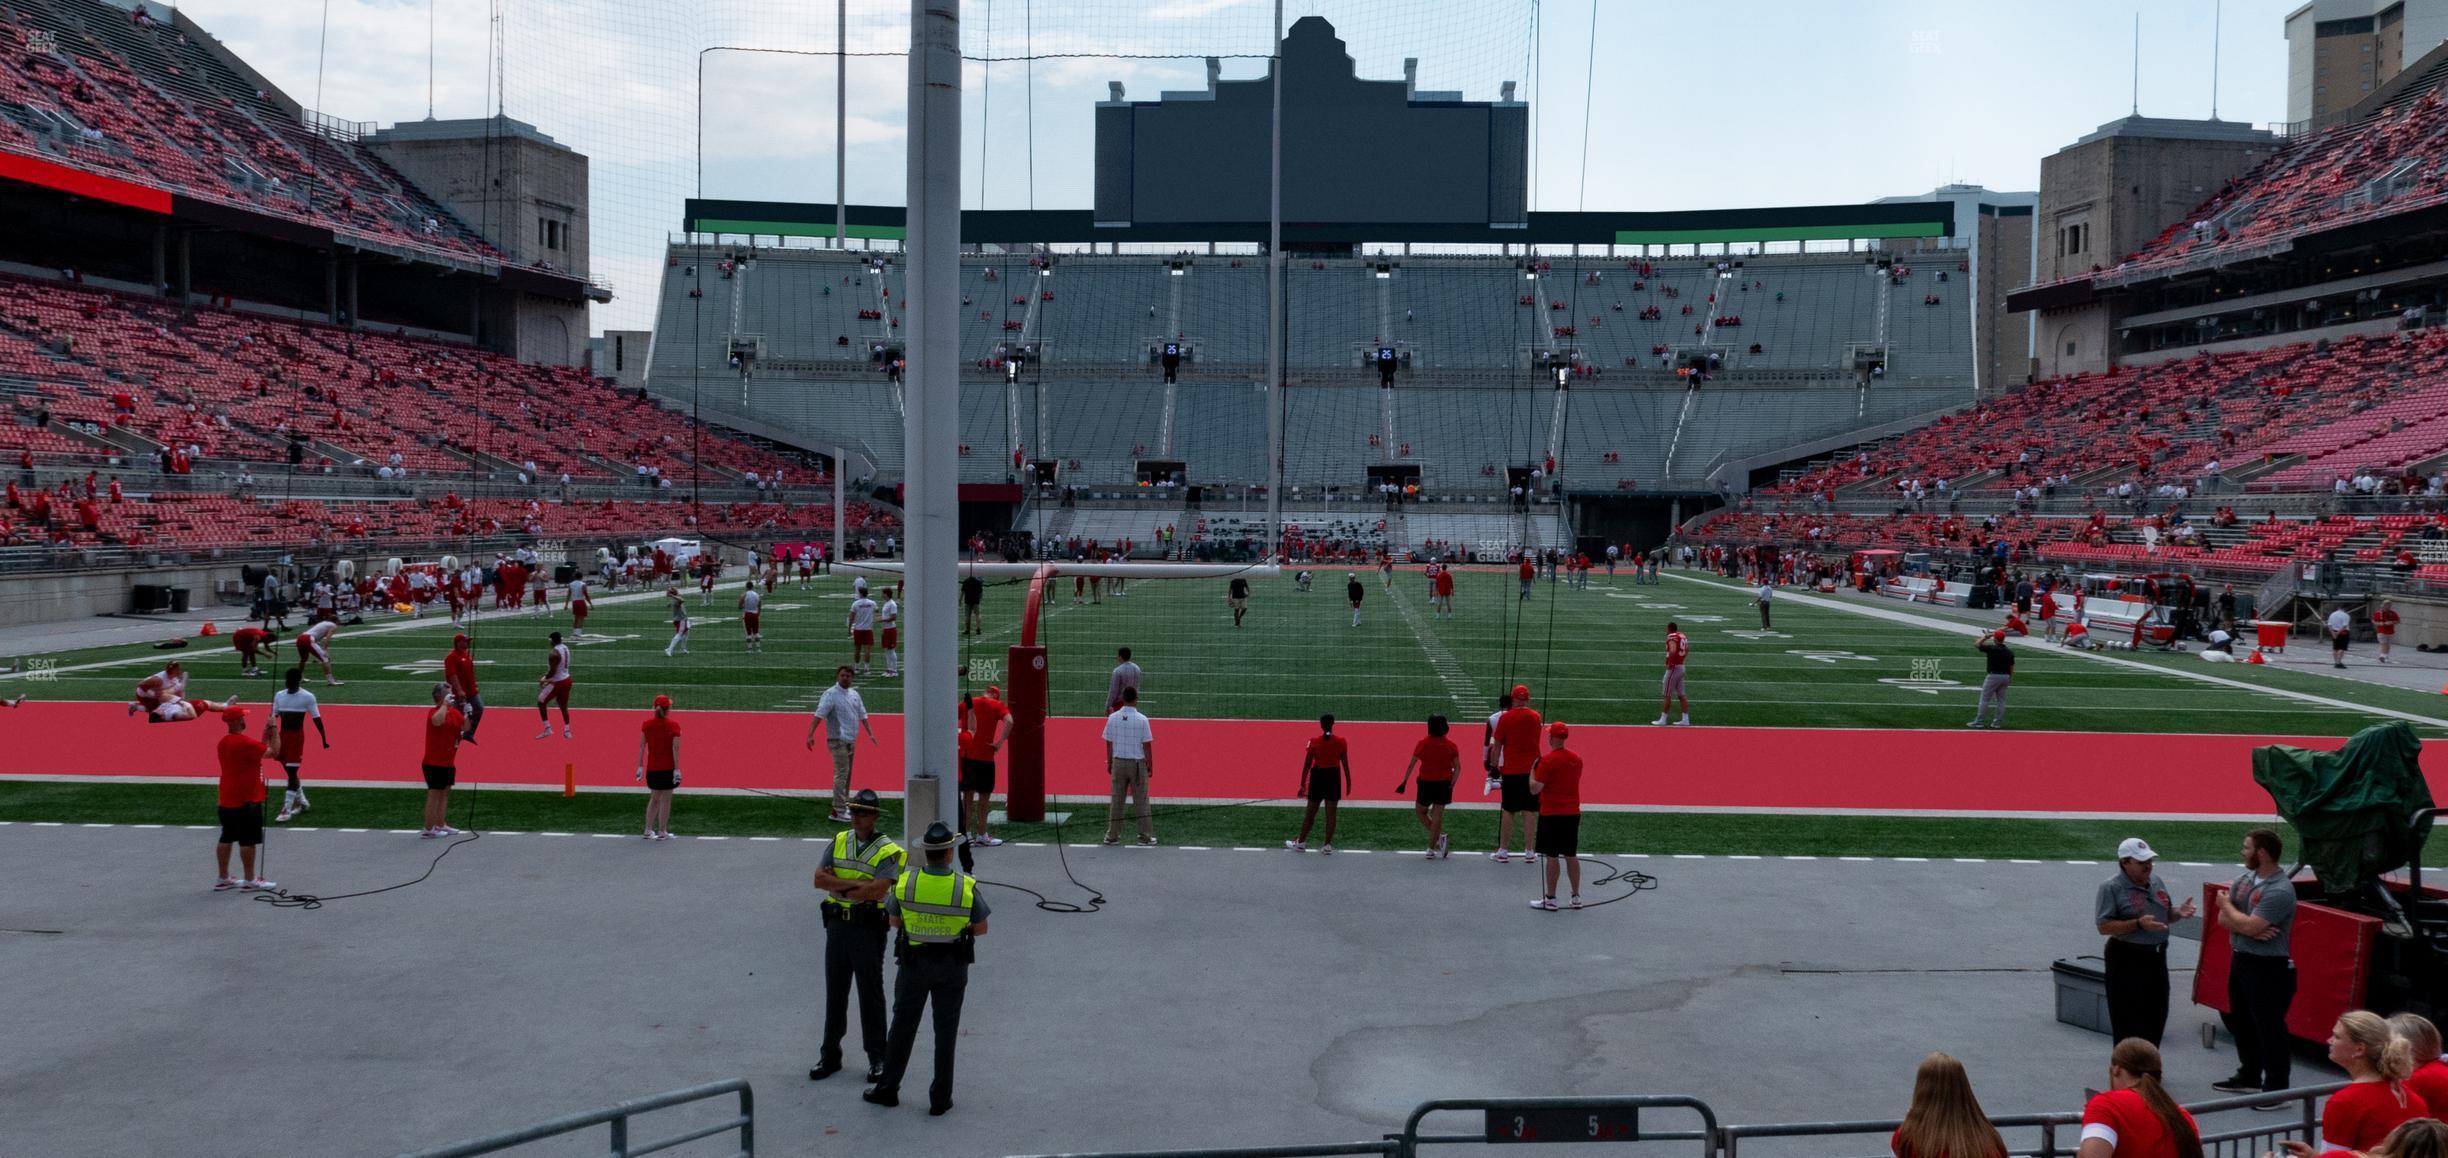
1708,1135
616,1116
2049,1123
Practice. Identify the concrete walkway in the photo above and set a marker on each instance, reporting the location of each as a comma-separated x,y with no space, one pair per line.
1223,997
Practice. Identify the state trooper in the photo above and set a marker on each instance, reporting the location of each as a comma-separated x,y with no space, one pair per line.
939,914
858,870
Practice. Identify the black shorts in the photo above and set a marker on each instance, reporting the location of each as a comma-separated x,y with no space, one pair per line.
242,825
1325,786
2338,640
977,776
1435,792
1559,835
663,781
1514,789
438,777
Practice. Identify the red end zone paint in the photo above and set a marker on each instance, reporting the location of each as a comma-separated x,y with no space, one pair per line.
1874,770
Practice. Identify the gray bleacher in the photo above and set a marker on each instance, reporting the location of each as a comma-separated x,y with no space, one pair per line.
1458,409
1492,533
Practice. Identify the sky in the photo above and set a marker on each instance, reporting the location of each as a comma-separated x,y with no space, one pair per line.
1737,103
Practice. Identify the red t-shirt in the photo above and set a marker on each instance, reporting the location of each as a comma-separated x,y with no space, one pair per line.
248,638
2384,621
1328,752
659,731
1438,758
1444,583
242,759
2360,1116
1517,731
2430,1080
1528,571
442,740
1676,648
986,714
2127,1123
1559,777
459,671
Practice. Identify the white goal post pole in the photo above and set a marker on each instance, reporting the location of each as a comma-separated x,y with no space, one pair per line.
931,412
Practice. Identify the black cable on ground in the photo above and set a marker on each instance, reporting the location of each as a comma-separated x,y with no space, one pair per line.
284,899
1633,881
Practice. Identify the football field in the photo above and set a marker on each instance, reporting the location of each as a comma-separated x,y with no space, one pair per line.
1590,655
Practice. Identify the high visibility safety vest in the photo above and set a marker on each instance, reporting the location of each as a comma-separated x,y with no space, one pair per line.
849,865
935,906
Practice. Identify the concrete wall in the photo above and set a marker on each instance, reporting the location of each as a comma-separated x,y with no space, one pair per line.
2073,341
84,594
2003,265
510,188
622,357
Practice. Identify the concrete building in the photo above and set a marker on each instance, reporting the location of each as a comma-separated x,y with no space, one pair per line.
527,194
2341,51
2109,194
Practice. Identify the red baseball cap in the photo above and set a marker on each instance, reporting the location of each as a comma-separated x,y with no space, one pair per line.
662,701
994,691
1558,730
234,714
459,641
1521,692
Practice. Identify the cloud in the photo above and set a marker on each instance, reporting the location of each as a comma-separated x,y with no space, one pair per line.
1191,9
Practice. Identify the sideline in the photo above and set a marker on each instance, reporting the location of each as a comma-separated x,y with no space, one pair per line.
1966,629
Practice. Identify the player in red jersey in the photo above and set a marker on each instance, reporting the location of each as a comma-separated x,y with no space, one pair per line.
459,675
1442,602
553,687
1437,760
1529,571
1325,776
314,644
2384,626
1677,649
165,686
250,643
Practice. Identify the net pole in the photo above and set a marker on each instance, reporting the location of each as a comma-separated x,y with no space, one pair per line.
841,463
841,161
1275,300
931,434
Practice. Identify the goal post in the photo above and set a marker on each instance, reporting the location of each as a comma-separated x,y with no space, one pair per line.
1028,666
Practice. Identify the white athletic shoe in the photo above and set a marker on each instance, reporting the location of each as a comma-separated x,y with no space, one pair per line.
429,834
839,818
225,884
1660,721
258,886
646,836
1328,850
1546,903
546,734
568,732
663,836
1500,856
1296,846
447,830
1685,722
288,809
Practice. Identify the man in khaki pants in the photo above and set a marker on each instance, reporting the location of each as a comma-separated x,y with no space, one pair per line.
1130,752
842,714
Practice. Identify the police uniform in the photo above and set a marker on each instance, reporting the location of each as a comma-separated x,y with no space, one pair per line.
854,945
937,906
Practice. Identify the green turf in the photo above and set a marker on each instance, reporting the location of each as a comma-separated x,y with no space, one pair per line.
1657,834
1593,655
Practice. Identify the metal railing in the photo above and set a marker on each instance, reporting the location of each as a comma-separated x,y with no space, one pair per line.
616,1118
2059,1135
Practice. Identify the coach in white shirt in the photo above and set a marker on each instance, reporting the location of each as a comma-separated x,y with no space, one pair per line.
1130,752
2341,629
843,714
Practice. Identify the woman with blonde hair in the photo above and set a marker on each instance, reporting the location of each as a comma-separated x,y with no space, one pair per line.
2136,1118
2375,1100
1946,1119
2430,1074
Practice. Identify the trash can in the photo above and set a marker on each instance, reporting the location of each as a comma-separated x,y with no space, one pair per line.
2082,992
146,596
179,599
2270,634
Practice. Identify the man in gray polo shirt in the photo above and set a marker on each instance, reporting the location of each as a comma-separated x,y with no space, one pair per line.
2133,910
2258,911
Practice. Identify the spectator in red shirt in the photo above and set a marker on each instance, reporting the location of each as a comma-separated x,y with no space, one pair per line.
2384,627
1515,740
988,729
2430,1077
241,801
1529,571
1946,1118
2376,1099
659,766
2136,1118
1556,781
1325,776
1437,760
443,728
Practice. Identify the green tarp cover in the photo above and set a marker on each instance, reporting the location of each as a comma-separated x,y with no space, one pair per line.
2350,807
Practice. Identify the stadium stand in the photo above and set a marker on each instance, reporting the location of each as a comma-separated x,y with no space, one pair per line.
90,87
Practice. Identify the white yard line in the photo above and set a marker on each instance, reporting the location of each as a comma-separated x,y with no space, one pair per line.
1968,629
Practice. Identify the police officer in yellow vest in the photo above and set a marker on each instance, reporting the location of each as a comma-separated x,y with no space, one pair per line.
859,868
940,914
